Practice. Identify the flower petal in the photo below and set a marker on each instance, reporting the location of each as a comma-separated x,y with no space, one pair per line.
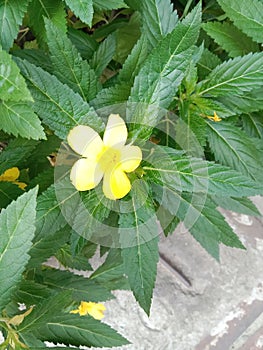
85,174
116,132
116,184
131,157
10,175
85,141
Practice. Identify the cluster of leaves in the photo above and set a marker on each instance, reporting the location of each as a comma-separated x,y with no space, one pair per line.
62,62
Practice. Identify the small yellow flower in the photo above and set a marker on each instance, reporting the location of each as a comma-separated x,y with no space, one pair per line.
109,158
11,175
89,308
215,118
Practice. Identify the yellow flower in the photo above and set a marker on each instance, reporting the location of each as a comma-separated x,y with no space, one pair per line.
11,175
215,118
89,308
109,158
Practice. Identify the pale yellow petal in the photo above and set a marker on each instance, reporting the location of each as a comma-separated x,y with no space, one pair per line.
85,141
10,175
116,132
85,174
116,184
131,157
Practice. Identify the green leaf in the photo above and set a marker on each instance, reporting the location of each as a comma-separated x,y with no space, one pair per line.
84,43
158,80
253,125
11,16
81,288
38,57
77,261
51,9
234,77
82,9
30,292
230,38
111,273
8,192
246,15
16,153
126,38
207,63
139,242
18,118
13,86
109,4
103,55
59,107
201,218
68,65
158,18
16,233
232,147
47,245
238,205
181,173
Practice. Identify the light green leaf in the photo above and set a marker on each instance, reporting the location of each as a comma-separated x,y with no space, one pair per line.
59,107
12,84
230,38
207,63
103,55
16,233
232,147
158,18
82,9
253,124
246,15
18,118
51,9
11,16
139,241
182,173
234,77
68,65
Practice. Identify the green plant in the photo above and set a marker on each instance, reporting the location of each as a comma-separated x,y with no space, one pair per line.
188,84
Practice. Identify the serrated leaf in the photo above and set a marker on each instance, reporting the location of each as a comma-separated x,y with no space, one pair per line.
182,173
19,119
158,80
16,153
9,192
207,63
236,76
230,38
38,57
238,205
201,218
81,288
30,292
158,18
59,107
109,4
11,16
51,9
246,15
13,85
77,261
253,125
47,245
139,242
68,65
82,9
232,147
16,233
84,43
111,273
103,55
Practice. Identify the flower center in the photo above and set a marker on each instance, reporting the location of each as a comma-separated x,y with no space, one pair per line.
108,158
